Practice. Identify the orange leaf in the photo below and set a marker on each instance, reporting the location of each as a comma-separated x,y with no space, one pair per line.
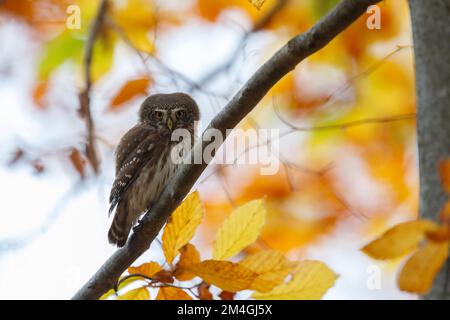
226,295
189,256
444,172
172,293
78,161
147,269
444,216
399,240
419,271
203,291
163,276
129,90
226,275
39,92
442,234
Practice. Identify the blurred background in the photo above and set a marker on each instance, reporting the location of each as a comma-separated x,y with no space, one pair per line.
345,117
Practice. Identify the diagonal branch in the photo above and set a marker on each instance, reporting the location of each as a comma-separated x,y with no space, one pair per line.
85,99
260,24
282,62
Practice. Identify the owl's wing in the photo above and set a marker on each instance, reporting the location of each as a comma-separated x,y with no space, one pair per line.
129,143
136,149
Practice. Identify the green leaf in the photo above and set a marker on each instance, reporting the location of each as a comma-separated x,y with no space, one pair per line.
70,46
65,46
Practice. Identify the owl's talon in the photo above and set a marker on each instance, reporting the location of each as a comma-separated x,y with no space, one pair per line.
137,227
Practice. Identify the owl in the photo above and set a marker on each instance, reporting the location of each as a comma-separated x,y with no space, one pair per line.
144,158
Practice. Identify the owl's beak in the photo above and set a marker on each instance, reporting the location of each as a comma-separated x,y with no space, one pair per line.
169,123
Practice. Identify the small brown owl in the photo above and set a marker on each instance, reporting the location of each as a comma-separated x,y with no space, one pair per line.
144,158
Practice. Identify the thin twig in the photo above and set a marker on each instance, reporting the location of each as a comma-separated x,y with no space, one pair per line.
144,57
340,126
339,91
152,282
260,24
85,99
346,125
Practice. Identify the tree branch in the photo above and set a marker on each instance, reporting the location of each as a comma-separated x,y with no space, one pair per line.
85,100
282,62
260,24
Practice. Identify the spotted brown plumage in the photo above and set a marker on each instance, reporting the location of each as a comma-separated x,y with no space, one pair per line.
143,159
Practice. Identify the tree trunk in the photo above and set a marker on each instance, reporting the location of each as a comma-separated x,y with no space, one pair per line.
431,32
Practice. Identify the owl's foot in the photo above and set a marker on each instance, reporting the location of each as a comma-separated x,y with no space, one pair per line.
138,225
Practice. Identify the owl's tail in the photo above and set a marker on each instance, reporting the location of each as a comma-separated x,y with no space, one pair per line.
120,227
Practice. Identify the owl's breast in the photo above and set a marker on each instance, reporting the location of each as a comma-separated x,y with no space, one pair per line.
151,182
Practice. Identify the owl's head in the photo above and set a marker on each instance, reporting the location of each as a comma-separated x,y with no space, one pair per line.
171,111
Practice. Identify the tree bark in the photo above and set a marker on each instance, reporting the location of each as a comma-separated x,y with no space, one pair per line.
431,32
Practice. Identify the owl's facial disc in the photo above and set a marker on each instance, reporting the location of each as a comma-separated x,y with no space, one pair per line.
159,117
180,118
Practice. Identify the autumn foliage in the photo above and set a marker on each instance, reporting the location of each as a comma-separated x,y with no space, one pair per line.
264,272
429,242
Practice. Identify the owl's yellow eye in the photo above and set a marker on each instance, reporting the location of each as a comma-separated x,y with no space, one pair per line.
179,114
158,115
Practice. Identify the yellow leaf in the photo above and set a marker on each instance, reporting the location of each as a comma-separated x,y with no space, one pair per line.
141,41
137,19
310,282
399,240
122,285
189,256
147,269
107,294
172,293
182,225
272,268
240,229
419,271
257,3
136,294
226,275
